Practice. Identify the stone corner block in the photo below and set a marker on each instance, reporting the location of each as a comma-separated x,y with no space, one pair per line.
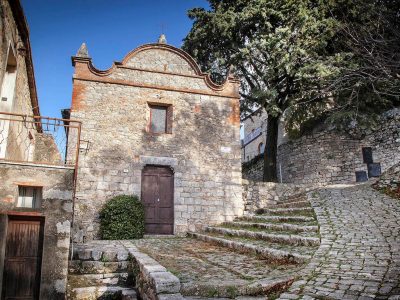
165,283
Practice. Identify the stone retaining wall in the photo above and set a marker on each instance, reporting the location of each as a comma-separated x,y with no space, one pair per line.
258,195
328,157
152,280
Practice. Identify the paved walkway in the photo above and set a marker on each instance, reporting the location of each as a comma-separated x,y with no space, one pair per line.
359,256
208,270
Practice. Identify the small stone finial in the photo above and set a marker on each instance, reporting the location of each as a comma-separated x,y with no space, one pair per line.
232,72
162,39
83,51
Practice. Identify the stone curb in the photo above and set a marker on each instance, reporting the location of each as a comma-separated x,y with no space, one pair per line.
275,238
153,281
269,253
277,227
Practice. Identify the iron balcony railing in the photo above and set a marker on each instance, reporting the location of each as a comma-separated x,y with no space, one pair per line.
39,140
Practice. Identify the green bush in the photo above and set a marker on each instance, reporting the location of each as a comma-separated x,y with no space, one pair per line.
122,218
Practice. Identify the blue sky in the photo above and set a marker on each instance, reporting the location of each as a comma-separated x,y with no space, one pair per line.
110,29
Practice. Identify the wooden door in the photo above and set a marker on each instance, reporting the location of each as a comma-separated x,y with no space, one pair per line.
158,199
21,278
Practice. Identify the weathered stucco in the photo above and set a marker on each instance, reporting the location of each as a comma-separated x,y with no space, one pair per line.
203,149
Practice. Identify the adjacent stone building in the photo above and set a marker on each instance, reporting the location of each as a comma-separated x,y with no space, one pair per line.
155,126
254,137
36,186
254,129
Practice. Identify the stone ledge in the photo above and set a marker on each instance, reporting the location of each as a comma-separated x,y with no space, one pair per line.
153,281
268,253
274,238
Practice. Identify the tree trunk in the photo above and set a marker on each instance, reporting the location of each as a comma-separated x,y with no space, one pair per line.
270,152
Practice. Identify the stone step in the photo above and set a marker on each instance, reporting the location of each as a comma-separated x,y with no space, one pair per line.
264,289
278,218
295,204
103,292
82,252
272,254
293,198
109,279
273,226
285,211
294,240
97,267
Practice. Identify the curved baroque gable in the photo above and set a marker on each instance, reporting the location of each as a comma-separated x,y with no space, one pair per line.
161,58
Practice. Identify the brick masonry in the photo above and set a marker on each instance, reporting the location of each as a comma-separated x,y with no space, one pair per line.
203,149
328,158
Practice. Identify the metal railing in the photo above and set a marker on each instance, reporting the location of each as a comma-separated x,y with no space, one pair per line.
252,135
39,140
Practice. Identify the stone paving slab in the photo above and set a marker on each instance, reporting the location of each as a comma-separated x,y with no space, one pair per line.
359,255
209,270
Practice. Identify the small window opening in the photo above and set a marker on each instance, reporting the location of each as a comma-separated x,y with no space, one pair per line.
29,196
160,119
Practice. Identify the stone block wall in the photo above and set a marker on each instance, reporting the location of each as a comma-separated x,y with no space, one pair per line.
258,195
56,210
385,140
324,157
15,49
327,157
203,149
11,39
253,169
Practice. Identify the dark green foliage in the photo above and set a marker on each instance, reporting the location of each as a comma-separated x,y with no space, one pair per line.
280,50
305,61
122,218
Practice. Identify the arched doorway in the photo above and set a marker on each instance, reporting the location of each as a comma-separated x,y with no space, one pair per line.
158,199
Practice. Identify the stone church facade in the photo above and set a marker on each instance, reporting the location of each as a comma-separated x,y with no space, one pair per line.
155,126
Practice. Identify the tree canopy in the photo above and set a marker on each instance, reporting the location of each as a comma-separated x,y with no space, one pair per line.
306,59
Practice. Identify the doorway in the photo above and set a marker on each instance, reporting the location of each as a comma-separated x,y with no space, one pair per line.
23,259
158,199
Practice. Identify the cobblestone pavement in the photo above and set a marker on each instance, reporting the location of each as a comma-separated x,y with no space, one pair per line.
209,270
359,256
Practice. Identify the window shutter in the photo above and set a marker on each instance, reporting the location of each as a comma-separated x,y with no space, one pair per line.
170,117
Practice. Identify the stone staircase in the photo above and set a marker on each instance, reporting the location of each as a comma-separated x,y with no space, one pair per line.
286,232
101,272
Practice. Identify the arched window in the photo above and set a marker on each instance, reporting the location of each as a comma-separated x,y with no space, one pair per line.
261,148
